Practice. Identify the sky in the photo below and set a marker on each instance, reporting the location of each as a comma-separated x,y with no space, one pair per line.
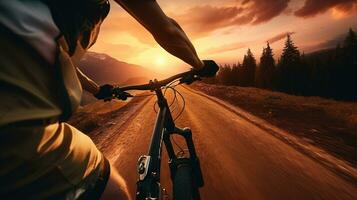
223,30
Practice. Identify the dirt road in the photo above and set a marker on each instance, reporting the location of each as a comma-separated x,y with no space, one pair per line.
239,160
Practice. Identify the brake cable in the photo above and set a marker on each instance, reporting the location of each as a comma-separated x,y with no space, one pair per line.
183,106
172,87
181,151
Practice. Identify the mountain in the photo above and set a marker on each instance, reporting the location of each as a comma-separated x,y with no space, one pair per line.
105,69
136,80
322,54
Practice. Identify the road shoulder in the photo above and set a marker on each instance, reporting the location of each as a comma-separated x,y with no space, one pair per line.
339,166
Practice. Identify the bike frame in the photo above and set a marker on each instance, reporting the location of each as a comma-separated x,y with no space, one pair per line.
148,185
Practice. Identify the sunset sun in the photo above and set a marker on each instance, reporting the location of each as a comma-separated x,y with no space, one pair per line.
160,61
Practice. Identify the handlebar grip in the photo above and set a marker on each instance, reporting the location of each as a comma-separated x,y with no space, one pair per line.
119,94
209,69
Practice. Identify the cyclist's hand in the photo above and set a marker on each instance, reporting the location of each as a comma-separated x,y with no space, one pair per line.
105,92
209,69
119,94
189,78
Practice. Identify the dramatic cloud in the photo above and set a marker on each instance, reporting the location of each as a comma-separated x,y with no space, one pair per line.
314,7
279,37
263,10
201,20
204,19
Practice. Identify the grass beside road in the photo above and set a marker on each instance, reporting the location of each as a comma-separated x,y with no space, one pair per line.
328,124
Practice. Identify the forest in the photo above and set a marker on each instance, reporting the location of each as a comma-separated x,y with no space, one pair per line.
330,73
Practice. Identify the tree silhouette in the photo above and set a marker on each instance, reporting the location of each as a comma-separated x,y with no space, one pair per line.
348,66
225,74
266,70
327,73
351,39
289,74
290,54
248,69
236,75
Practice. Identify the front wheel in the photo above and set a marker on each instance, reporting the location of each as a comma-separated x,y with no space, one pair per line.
182,184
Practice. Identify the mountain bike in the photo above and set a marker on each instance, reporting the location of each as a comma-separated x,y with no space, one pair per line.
185,170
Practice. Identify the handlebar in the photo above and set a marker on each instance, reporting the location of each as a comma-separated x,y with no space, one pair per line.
156,84
209,70
120,92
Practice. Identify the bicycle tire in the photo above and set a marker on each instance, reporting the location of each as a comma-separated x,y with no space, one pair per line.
182,185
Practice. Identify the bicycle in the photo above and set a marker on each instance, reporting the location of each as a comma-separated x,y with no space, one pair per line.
185,172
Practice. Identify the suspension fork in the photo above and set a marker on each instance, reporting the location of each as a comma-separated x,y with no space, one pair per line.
170,130
192,160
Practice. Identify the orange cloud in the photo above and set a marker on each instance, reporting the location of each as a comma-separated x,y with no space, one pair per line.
201,20
313,7
263,10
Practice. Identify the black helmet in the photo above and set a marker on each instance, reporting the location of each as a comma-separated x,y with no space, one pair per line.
76,18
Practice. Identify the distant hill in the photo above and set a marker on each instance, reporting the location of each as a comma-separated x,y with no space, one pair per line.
105,69
322,54
135,80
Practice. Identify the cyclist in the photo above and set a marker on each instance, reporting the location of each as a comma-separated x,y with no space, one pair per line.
41,41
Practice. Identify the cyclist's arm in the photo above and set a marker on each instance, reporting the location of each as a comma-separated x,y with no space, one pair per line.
165,30
87,83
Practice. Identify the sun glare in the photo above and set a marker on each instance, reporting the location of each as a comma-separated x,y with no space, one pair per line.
160,61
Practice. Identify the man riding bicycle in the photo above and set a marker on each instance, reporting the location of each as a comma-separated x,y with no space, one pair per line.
41,42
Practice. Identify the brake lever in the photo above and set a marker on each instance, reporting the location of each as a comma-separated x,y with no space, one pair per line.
119,94
190,78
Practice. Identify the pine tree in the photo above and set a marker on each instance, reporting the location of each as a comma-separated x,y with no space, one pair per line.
351,39
290,53
348,67
248,69
289,73
224,75
236,74
266,69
